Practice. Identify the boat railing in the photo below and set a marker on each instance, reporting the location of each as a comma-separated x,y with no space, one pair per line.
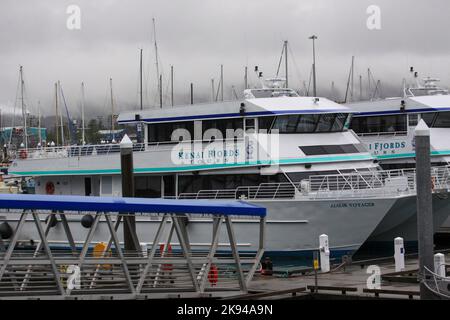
436,283
361,184
103,149
377,134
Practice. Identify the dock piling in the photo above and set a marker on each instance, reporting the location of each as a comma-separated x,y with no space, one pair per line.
126,166
424,205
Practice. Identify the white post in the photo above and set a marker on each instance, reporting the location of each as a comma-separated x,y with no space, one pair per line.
144,249
439,264
399,254
324,253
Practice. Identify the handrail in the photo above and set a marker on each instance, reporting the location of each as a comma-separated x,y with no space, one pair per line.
361,184
103,149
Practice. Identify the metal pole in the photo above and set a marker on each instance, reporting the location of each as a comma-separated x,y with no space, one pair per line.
245,79
112,108
424,204
126,166
171,85
286,63
24,111
212,90
56,113
160,92
192,93
83,139
140,80
313,38
221,82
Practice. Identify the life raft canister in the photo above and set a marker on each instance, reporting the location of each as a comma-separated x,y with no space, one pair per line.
99,251
213,275
168,253
23,154
50,187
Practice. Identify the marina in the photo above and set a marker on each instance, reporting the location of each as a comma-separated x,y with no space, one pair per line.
179,167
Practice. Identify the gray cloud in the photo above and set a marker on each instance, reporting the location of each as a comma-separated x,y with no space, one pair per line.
196,36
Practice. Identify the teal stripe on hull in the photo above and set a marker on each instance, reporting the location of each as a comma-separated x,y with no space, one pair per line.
410,155
199,167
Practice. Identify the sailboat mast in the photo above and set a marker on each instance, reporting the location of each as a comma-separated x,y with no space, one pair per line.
246,78
24,112
156,58
221,82
39,123
112,107
171,85
286,64
160,92
140,81
61,117
56,114
83,137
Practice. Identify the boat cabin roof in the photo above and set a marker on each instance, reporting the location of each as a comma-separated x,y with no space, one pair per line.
395,106
232,109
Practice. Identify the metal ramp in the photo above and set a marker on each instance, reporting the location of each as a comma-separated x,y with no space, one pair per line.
437,284
165,268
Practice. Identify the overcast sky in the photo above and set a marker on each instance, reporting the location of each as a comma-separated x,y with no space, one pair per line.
196,36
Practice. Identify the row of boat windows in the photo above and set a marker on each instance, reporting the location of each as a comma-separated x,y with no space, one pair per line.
158,186
398,122
305,123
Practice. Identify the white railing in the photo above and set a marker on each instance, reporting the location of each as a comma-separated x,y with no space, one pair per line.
362,184
102,149
437,284
72,151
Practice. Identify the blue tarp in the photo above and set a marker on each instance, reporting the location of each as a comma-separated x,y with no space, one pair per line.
136,205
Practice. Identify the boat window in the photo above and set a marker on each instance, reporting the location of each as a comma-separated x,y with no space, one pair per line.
195,183
377,124
332,149
309,123
265,123
222,125
442,120
147,186
106,185
413,119
428,118
162,132
325,123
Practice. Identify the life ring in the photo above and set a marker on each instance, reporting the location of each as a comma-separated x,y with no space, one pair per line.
23,154
50,187
213,275
168,253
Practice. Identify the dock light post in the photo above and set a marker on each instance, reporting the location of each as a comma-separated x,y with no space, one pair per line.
313,38
126,166
424,205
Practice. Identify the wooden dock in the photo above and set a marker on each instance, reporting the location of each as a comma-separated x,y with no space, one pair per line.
347,282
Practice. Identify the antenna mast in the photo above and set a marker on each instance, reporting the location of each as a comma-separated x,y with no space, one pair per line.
56,114
140,80
24,111
286,63
83,139
171,85
156,60
112,108
61,118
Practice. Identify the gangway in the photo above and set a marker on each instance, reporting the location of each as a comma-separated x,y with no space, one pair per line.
166,266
